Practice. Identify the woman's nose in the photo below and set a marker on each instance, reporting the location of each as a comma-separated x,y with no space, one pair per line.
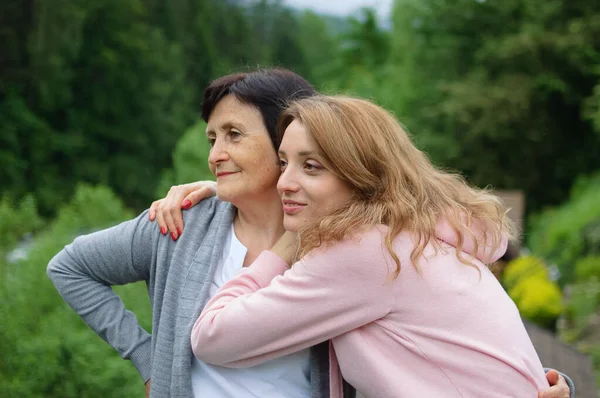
288,181
217,153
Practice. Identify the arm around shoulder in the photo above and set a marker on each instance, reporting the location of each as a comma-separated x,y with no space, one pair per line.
328,293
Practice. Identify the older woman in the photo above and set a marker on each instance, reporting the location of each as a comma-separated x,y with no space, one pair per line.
182,273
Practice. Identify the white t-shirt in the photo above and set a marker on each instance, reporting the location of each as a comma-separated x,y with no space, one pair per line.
288,376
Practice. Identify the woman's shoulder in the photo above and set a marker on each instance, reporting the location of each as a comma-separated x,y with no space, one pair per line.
208,211
367,247
367,242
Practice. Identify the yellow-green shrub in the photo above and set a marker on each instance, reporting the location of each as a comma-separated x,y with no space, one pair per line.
538,298
522,268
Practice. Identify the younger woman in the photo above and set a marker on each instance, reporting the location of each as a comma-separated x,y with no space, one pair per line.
383,272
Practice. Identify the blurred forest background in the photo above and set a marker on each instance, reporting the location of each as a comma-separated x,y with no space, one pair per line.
99,116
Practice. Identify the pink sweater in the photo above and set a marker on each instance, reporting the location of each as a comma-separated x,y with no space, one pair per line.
450,331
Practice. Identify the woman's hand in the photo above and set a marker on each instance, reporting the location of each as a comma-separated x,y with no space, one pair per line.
287,247
167,211
558,386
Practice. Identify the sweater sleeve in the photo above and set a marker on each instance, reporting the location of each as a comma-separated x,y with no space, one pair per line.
267,311
84,271
486,252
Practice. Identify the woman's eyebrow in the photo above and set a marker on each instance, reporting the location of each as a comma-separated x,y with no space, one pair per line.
224,127
301,153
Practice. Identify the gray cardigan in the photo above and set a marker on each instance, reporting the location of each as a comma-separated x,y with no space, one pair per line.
178,275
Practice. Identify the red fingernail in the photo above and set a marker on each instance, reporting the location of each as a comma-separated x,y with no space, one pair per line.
173,236
163,230
186,204
178,232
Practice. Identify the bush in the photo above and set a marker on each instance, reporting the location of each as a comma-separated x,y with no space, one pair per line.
571,231
18,219
594,352
587,268
45,349
538,298
190,160
522,268
583,303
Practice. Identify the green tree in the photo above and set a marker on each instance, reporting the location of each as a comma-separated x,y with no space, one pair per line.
45,349
361,68
592,110
565,234
287,50
18,219
320,46
496,88
103,98
190,160
365,43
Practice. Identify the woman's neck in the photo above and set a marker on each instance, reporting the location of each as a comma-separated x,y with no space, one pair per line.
258,223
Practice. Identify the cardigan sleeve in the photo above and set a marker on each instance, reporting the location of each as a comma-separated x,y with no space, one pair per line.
84,271
267,311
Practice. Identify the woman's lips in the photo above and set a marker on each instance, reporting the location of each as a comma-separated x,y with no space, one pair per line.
292,207
225,173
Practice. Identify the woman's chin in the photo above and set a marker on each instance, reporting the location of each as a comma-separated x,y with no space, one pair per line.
226,194
290,225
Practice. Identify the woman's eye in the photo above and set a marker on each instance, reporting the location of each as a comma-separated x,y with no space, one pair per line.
282,163
235,134
310,167
211,142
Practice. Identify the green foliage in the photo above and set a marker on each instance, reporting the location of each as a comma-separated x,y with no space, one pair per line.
490,88
522,268
564,234
45,350
18,219
588,268
320,48
538,298
190,160
90,208
360,67
287,50
594,352
102,92
105,92
582,305
94,90
365,43
592,110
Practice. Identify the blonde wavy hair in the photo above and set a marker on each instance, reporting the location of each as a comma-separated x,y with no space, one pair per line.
393,182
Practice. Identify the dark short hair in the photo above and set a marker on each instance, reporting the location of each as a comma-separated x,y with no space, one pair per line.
269,90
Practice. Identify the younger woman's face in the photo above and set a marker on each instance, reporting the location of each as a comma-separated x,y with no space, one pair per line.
308,189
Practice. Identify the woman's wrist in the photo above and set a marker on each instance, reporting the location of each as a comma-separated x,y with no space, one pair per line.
287,247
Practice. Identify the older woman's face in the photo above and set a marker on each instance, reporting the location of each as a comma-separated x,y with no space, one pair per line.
242,155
